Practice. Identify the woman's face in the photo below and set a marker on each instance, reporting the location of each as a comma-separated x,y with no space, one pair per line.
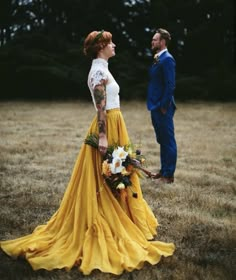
109,50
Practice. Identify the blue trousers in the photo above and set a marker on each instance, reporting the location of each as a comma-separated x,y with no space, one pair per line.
165,135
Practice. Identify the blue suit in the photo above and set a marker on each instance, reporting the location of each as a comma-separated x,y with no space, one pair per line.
161,95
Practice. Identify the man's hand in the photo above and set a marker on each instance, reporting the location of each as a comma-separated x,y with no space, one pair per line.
163,111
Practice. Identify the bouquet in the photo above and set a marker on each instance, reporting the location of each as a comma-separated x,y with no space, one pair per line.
119,163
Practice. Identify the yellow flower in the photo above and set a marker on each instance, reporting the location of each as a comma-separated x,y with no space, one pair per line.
106,169
130,151
133,155
124,172
142,160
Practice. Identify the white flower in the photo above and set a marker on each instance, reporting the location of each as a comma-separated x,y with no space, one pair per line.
120,153
121,186
116,165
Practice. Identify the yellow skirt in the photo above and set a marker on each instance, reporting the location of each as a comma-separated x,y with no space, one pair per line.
92,229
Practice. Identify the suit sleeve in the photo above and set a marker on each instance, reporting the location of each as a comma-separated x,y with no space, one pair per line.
169,82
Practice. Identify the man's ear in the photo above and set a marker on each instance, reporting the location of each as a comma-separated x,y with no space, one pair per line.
163,42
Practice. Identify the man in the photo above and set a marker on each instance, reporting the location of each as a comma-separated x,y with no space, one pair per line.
161,104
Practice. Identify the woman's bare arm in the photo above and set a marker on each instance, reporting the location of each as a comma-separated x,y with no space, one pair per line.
100,99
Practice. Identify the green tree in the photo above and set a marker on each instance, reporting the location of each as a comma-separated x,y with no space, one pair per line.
44,38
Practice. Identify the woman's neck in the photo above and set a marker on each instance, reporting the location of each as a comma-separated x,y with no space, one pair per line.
102,56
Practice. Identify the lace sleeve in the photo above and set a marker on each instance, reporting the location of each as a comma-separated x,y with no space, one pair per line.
97,77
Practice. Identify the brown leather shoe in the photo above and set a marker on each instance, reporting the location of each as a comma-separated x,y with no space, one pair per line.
165,180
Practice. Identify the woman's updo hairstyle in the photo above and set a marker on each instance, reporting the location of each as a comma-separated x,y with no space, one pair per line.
96,41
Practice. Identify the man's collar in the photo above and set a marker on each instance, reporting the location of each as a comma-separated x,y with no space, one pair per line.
161,52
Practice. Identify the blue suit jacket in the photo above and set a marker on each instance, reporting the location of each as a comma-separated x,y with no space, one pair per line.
161,83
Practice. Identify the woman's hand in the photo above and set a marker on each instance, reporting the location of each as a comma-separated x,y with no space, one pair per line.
102,144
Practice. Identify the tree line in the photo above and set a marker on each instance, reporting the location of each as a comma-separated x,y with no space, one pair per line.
41,46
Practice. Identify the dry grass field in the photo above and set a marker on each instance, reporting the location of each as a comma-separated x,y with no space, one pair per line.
39,143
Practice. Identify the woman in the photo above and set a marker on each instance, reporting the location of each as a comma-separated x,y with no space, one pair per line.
92,228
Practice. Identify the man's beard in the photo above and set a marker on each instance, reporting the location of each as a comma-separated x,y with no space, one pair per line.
155,50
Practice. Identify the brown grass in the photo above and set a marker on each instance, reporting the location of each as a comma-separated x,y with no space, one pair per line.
39,143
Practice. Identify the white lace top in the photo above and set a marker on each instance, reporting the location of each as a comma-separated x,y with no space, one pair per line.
99,71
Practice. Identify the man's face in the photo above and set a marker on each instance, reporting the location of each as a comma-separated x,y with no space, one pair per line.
156,42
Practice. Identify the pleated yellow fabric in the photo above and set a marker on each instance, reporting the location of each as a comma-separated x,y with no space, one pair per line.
92,229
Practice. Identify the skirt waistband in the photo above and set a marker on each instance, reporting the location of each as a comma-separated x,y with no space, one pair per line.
113,110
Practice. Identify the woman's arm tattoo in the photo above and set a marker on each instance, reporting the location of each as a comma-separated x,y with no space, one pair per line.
100,99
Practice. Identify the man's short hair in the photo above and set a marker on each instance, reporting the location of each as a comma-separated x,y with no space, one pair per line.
164,34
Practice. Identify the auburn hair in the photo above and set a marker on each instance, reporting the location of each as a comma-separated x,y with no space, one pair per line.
96,41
